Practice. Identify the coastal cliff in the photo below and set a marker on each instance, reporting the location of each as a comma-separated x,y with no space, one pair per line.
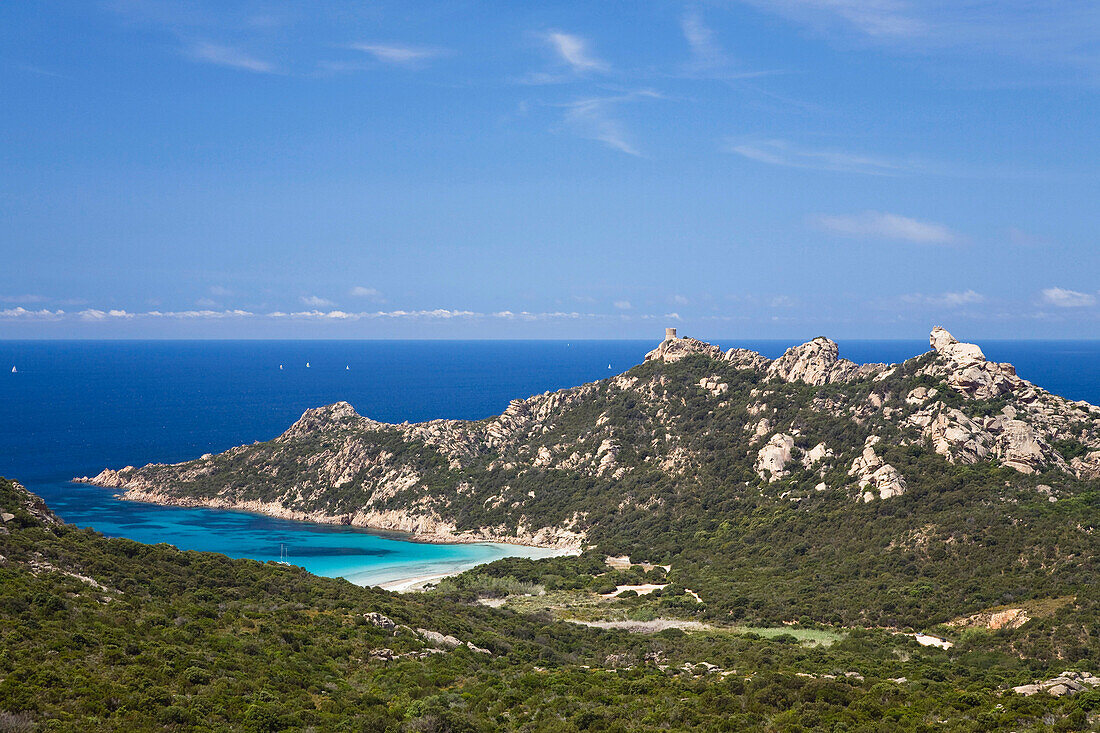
555,468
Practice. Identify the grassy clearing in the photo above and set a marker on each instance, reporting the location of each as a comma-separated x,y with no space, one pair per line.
591,608
806,637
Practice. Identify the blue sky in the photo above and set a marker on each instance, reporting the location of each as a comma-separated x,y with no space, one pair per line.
780,168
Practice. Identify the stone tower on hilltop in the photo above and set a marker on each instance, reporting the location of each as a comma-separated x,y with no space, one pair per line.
670,333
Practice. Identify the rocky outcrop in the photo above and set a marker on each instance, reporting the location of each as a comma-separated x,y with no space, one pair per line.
21,502
1022,435
772,459
674,349
714,385
874,476
962,439
746,359
1067,683
383,622
816,455
967,369
327,418
1005,618
1087,466
816,362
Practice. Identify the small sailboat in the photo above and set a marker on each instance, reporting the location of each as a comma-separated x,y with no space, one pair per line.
280,367
307,365
347,368
608,366
14,370
284,557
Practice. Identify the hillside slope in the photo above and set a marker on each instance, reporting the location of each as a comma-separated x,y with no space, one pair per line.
111,635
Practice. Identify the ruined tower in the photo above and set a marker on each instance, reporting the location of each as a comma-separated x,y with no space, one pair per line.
670,333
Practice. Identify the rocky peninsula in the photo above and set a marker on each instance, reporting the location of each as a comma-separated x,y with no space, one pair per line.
555,467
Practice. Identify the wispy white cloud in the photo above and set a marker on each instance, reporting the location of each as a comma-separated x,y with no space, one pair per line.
1038,33
197,314
877,18
594,118
623,305
679,299
783,153
946,300
547,316
576,52
880,225
316,301
437,313
1062,298
94,314
363,292
220,290
21,313
234,58
706,53
23,298
966,297
398,54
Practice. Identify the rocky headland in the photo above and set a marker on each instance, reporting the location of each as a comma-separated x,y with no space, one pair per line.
554,466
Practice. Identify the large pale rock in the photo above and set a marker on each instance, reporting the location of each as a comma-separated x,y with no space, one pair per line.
607,453
376,619
1068,683
874,476
714,385
1088,466
950,348
1020,448
772,459
320,419
816,454
958,438
674,349
746,359
814,362
1008,618
962,439
965,368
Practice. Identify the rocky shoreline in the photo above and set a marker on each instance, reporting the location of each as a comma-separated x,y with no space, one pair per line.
411,527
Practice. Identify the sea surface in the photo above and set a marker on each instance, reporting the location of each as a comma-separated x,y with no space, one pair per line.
76,407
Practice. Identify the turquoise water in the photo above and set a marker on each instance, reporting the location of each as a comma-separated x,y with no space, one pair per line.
76,407
365,558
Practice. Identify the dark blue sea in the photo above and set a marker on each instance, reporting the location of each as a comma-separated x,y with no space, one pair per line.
76,407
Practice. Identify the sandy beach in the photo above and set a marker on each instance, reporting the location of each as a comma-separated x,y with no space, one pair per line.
415,583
